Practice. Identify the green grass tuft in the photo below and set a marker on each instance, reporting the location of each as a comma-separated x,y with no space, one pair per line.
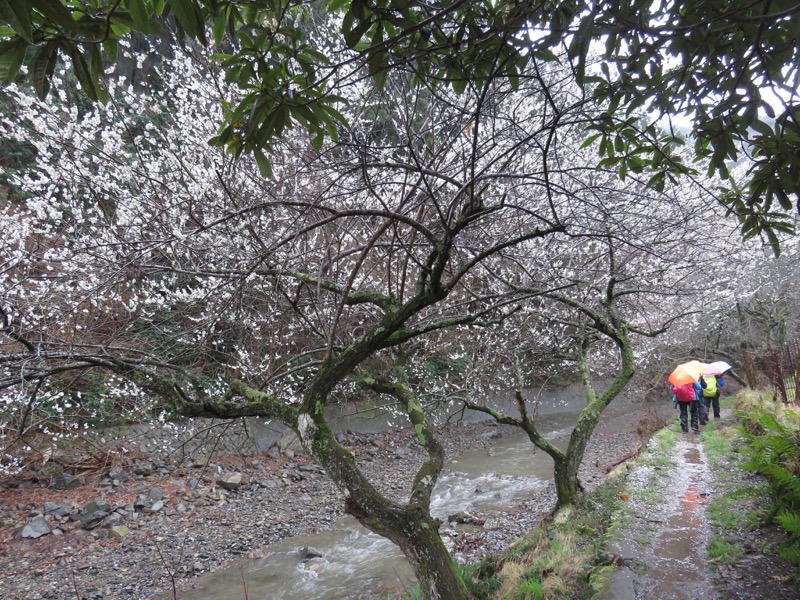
724,551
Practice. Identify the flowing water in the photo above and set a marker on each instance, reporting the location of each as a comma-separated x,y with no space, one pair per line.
356,563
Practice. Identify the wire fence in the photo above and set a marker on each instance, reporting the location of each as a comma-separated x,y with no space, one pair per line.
777,368
786,364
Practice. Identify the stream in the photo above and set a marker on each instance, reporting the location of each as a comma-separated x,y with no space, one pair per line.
358,564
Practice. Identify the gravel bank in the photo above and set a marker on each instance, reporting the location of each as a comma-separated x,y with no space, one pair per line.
175,520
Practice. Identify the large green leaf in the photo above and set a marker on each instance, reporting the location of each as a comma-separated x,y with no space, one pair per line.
43,64
17,13
83,72
141,17
12,53
56,12
189,17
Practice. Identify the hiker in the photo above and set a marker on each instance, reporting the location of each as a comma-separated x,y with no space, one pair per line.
710,385
686,397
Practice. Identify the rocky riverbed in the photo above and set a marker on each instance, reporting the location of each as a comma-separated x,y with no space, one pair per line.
146,527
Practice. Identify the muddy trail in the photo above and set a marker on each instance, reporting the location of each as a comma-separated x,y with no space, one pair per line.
661,540
661,544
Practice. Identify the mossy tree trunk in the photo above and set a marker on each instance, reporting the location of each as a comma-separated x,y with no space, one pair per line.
608,322
409,525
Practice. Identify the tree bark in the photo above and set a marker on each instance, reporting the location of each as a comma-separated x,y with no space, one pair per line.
417,536
566,470
410,526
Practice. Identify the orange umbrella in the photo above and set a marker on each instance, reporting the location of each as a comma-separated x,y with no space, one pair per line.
688,372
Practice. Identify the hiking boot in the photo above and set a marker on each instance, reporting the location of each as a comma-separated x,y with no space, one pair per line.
695,430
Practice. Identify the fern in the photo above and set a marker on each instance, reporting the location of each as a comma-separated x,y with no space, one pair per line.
790,521
773,450
790,553
785,481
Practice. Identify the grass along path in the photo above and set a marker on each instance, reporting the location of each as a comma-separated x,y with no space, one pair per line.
743,544
693,524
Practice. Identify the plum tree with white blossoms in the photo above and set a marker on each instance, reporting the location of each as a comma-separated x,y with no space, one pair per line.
143,251
728,66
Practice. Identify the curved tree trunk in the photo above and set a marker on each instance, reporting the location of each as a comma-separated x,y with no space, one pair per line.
567,462
409,526
567,466
417,536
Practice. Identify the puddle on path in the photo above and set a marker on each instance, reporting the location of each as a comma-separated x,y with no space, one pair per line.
664,549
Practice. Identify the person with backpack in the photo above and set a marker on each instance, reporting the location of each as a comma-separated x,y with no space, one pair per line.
710,385
687,396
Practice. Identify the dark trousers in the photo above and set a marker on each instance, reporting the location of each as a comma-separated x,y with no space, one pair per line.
708,403
692,407
705,402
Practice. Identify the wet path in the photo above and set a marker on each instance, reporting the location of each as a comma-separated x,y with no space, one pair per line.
662,544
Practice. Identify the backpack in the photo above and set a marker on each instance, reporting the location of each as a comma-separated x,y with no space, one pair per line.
710,387
685,392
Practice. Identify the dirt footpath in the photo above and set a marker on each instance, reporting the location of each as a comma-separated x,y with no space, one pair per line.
661,539
662,544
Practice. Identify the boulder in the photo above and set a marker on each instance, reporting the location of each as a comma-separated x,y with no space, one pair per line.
309,552
230,481
289,441
35,529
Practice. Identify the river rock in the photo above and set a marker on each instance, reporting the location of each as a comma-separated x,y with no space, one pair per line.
143,468
113,519
465,518
67,482
118,532
118,474
93,513
51,508
230,481
309,552
315,565
35,529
